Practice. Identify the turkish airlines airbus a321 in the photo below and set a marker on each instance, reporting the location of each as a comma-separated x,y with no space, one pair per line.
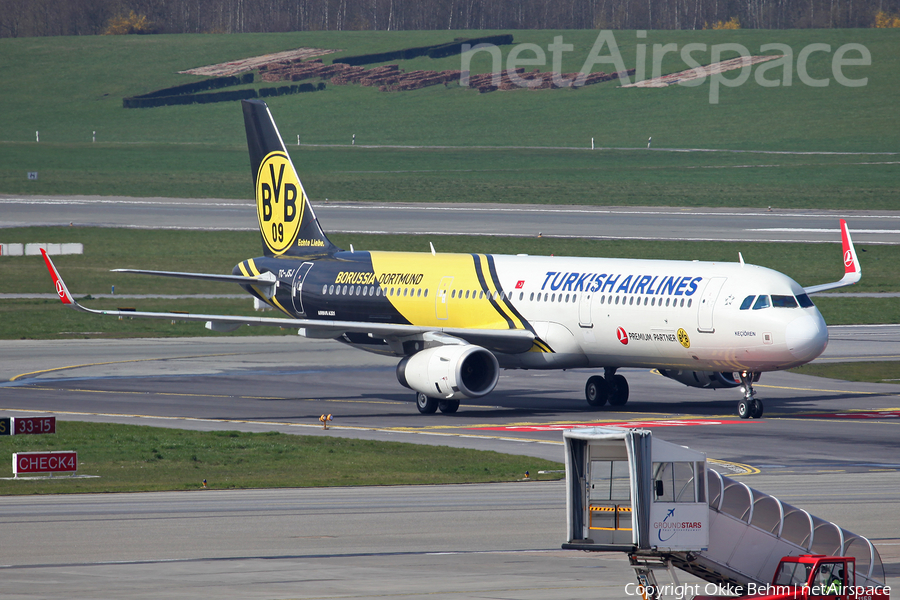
455,320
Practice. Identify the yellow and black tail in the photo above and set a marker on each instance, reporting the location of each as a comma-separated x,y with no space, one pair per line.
286,220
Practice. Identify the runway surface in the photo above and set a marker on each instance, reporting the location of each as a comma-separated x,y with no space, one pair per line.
868,227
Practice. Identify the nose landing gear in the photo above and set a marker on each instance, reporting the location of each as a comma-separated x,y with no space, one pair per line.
749,407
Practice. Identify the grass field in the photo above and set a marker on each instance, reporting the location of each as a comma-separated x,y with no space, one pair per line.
873,372
128,458
68,87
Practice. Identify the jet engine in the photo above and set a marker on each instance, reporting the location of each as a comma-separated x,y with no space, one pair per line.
450,372
703,379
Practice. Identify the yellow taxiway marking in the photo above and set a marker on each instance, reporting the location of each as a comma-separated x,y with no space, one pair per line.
198,395
150,393
738,468
118,362
804,389
637,417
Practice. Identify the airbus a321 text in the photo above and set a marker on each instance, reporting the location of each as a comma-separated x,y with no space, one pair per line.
455,320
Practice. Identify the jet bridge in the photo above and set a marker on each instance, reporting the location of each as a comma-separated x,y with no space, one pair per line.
659,503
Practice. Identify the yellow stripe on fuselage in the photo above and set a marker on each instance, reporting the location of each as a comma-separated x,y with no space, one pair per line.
249,269
501,303
408,275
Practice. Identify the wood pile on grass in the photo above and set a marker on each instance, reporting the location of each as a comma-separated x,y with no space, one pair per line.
390,78
536,80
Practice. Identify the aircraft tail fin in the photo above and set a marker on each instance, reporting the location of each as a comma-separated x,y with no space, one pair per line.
286,219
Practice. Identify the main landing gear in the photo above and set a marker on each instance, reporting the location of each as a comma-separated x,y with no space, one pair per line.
749,407
428,405
610,388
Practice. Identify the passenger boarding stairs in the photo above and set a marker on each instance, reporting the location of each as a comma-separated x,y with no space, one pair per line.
659,503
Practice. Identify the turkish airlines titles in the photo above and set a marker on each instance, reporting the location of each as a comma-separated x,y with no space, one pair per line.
631,284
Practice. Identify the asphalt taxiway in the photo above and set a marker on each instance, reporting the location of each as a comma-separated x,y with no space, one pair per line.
423,542
829,446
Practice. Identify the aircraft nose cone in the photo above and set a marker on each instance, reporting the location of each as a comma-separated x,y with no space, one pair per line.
806,337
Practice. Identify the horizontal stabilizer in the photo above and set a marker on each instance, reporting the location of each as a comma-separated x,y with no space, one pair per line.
265,281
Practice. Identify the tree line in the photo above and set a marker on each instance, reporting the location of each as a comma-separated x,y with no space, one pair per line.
28,18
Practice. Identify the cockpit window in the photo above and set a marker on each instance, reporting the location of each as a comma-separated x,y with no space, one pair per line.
761,302
804,301
784,301
747,303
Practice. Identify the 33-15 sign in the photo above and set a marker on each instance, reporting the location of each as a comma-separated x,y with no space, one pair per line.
27,425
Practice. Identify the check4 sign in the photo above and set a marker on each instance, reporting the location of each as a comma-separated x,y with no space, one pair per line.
45,462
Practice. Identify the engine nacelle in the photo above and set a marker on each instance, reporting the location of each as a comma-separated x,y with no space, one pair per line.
450,372
704,379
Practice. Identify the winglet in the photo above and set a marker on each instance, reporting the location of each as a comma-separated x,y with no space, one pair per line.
851,262
61,289
852,268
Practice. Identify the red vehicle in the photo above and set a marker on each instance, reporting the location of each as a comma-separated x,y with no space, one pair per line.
814,577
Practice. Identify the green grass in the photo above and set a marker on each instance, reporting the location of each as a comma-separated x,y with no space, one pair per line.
550,176
69,87
49,319
872,372
129,458
217,252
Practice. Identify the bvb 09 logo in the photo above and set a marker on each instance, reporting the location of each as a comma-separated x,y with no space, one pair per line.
683,338
278,194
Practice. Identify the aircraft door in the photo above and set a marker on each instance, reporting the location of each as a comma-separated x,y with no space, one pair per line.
707,302
297,287
441,299
584,310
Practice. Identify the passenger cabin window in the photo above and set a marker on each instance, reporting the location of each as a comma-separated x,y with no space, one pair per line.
761,302
747,303
784,301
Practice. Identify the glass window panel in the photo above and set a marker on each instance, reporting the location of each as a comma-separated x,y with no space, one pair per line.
784,301
761,302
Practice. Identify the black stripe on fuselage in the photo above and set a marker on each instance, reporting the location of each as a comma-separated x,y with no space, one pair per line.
484,285
512,309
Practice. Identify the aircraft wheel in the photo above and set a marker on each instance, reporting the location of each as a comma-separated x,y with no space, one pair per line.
426,404
756,409
618,395
448,407
744,409
596,391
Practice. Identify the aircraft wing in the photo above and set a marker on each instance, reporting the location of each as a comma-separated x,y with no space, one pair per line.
512,341
852,268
